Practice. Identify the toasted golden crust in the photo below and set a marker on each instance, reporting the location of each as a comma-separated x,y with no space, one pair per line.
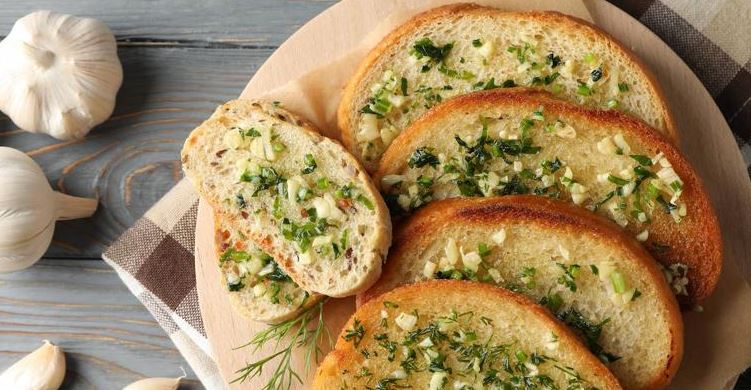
581,28
487,214
494,303
696,241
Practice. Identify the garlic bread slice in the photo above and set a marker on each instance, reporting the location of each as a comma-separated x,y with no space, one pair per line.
461,48
300,196
258,288
458,335
506,142
583,268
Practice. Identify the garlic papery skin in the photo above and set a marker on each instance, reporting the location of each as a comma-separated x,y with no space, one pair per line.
43,369
59,74
155,384
28,210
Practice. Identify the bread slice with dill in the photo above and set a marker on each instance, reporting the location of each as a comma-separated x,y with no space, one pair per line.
257,287
504,142
593,275
458,335
300,196
460,48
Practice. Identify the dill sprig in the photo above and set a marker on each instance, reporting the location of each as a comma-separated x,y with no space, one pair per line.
287,336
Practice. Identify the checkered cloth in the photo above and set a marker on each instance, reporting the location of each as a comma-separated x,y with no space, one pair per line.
155,257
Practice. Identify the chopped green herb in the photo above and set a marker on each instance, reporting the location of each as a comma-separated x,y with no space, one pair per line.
596,74
310,164
403,86
355,334
570,272
421,157
584,89
553,60
617,180
477,42
365,202
642,160
623,87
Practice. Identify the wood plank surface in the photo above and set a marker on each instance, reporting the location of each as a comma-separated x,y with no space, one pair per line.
109,338
183,22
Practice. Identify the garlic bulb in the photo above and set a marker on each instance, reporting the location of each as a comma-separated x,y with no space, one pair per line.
59,74
28,210
43,369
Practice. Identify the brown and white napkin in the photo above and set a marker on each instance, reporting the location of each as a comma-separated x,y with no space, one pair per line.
154,258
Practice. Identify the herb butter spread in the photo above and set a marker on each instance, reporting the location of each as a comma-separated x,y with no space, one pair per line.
309,206
247,270
436,69
456,350
542,155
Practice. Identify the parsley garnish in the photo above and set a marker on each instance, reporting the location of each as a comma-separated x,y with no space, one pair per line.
421,157
310,164
355,334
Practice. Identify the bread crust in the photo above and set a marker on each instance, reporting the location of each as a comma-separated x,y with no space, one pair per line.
436,292
345,109
697,242
259,235
551,214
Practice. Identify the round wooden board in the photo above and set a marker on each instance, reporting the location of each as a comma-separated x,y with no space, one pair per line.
705,138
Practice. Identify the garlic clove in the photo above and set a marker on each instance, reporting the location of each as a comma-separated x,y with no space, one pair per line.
156,383
43,369
28,210
60,74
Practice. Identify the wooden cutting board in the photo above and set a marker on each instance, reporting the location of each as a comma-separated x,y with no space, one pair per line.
718,341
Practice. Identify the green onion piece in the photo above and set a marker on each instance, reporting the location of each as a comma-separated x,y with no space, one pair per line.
617,180
612,103
618,282
642,159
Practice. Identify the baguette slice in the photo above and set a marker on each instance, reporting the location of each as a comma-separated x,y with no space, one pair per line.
300,196
257,287
540,145
484,48
449,334
570,260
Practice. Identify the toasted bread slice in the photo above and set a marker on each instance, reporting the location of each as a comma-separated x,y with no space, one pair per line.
257,287
582,267
450,334
300,196
460,48
602,160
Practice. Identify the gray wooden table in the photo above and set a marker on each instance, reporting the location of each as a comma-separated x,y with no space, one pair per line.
181,58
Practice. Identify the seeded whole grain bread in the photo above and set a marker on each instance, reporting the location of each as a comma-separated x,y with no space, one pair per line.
580,266
257,287
299,196
469,48
449,334
517,141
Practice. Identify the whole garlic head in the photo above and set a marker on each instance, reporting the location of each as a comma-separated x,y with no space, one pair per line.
28,210
59,74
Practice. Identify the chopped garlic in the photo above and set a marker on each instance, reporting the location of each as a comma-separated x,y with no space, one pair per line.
518,167
621,143
426,343
606,146
384,314
256,149
643,236
564,130
397,100
496,275
452,251
233,140
390,180
487,49
602,177
305,258
429,270
403,201
547,180
471,261
437,381
551,342
368,128
259,289
499,237
294,184
399,374
406,321
322,240
564,252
